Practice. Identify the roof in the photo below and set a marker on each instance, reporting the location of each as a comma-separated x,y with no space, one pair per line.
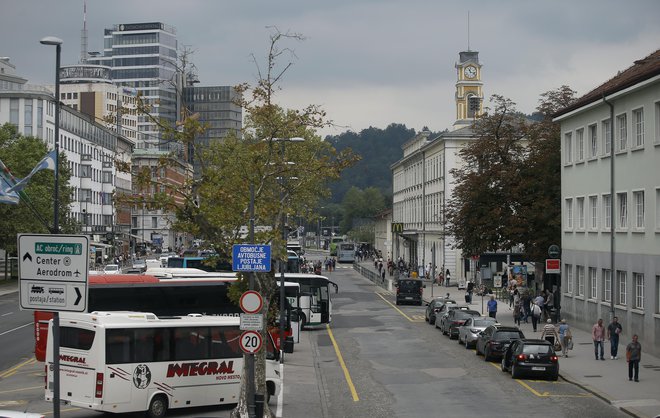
641,70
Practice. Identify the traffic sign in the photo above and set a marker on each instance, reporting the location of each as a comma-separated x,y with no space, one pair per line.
53,272
554,251
250,257
251,342
552,265
251,302
254,322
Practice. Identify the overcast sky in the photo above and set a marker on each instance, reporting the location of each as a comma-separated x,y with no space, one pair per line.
367,62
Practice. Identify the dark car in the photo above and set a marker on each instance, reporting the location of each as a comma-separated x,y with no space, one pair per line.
434,306
454,319
409,291
446,308
531,357
493,340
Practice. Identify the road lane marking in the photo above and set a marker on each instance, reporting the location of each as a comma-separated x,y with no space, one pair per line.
15,368
61,410
17,328
347,375
8,313
544,394
397,309
21,389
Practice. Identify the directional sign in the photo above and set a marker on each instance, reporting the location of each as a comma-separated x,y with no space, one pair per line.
251,341
251,302
53,272
250,257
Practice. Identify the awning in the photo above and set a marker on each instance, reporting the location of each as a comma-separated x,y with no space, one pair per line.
99,244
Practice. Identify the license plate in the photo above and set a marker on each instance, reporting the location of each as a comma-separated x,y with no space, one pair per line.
408,298
538,369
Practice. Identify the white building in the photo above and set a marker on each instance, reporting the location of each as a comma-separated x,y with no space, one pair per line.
590,177
422,182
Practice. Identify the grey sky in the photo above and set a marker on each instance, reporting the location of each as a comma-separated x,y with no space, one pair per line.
367,62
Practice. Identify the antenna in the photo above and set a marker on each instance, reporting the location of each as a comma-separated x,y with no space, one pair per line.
83,35
468,30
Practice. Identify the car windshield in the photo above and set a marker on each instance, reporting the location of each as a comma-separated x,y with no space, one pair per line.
482,322
537,349
507,335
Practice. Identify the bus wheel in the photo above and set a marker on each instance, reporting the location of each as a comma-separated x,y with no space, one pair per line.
157,407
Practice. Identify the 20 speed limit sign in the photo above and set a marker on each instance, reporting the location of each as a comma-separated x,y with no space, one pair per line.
251,341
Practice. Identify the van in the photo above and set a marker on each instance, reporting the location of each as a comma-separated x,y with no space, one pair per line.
409,291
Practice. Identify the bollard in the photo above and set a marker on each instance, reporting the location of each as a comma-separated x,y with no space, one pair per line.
259,405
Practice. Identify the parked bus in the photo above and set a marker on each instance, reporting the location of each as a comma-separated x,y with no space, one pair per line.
346,252
315,301
167,296
135,362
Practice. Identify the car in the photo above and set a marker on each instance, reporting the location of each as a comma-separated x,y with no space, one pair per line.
444,311
531,357
454,319
4,413
492,341
434,307
468,332
409,291
112,269
139,264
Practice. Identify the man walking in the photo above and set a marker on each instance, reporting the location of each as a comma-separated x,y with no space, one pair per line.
492,307
613,331
536,315
598,336
633,355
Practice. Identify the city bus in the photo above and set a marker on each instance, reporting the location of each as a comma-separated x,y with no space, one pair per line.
334,242
346,252
315,304
137,362
146,293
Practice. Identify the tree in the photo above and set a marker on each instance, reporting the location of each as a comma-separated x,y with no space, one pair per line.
34,213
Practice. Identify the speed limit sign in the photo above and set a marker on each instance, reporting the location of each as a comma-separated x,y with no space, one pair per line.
251,342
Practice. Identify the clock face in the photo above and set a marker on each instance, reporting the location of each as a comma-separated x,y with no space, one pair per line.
470,71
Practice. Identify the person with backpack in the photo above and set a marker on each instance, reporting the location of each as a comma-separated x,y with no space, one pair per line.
536,314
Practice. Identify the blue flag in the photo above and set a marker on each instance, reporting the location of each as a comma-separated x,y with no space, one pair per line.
6,181
48,162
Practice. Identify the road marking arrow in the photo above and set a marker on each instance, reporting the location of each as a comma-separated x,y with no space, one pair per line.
27,256
79,296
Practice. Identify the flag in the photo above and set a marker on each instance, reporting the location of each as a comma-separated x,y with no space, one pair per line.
48,162
6,181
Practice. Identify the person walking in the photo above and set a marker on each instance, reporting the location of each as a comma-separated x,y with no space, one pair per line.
517,312
447,278
549,333
536,314
492,307
565,337
598,336
633,355
613,331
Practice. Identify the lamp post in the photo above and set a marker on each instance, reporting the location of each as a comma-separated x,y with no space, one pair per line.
51,40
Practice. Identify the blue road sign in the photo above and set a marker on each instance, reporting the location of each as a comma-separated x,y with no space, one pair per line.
250,257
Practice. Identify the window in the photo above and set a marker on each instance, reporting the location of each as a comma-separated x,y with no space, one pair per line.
77,338
85,171
134,223
154,222
607,137
638,201
107,177
638,127
622,206
568,148
621,277
85,195
580,280
593,212
579,145
593,141
568,272
622,131
593,285
607,211
13,111
607,285
638,290
569,213
580,213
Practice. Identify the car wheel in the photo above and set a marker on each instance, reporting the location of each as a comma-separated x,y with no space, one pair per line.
502,366
467,346
554,377
515,373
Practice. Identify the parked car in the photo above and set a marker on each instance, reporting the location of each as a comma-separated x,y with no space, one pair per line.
491,342
469,331
454,319
4,413
434,307
112,269
444,311
409,291
531,357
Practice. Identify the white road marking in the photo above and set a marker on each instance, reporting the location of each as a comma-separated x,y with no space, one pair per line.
17,328
8,313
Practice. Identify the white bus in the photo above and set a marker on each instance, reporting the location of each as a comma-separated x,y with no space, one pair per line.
346,252
134,361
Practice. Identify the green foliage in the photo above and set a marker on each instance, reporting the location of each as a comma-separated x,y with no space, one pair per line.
360,204
20,154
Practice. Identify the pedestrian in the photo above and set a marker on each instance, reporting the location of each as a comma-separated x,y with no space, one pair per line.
382,276
549,333
517,312
441,279
565,337
598,336
613,331
525,306
492,307
633,355
536,314
447,278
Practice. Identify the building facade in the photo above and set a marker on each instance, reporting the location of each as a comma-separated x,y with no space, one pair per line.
610,184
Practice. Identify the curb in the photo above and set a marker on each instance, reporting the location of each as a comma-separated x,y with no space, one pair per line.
600,395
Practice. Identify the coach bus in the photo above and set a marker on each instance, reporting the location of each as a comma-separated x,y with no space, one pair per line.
346,252
137,362
315,302
166,296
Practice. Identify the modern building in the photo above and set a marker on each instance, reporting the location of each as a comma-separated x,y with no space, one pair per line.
610,187
91,150
422,181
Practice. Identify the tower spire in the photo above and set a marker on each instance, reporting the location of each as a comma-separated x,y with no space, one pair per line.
83,35
468,30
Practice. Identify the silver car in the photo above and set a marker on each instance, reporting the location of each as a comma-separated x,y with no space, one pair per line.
468,332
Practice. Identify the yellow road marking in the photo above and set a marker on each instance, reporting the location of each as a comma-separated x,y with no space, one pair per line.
13,369
397,309
21,389
544,394
61,410
347,375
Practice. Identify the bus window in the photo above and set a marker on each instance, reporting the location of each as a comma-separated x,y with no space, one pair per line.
191,344
78,338
225,343
118,346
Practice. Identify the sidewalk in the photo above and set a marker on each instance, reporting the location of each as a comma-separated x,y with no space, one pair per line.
607,379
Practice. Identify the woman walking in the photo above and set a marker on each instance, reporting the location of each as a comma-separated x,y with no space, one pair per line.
565,337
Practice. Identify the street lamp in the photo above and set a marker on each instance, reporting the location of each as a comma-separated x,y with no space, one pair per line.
51,40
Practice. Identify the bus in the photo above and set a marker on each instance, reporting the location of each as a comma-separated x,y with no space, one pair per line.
137,362
334,242
166,296
346,252
315,304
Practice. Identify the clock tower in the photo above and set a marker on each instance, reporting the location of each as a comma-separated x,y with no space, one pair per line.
469,89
